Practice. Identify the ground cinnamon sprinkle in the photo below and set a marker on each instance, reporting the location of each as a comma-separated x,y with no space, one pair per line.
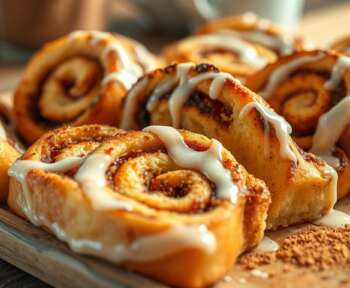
315,247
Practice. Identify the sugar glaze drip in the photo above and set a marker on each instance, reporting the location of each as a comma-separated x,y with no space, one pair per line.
146,248
283,44
223,39
209,162
129,70
21,168
329,129
186,85
343,63
128,118
267,245
335,219
281,126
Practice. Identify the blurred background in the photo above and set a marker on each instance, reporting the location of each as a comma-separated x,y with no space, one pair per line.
26,24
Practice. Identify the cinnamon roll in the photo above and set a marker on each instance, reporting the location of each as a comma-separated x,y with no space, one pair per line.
237,45
204,100
170,204
310,90
80,78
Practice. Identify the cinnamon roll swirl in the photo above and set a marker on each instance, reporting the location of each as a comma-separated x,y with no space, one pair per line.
237,45
310,90
80,78
170,204
204,100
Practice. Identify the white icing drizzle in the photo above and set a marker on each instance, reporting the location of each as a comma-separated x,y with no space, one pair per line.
334,218
128,119
186,85
281,126
146,248
246,52
92,178
334,182
283,44
283,71
267,245
145,57
259,273
343,63
208,162
129,71
21,168
329,129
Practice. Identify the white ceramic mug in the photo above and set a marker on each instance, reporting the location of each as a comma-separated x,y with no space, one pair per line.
284,12
183,14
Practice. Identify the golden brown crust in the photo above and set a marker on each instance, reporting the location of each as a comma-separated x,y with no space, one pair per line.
157,206
64,82
303,97
9,145
219,118
341,45
191,49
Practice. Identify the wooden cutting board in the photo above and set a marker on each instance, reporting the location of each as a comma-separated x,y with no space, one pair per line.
42,255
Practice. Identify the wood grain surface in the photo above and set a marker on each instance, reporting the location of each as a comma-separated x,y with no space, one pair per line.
42,255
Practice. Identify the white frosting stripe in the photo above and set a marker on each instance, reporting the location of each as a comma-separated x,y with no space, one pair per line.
92,178
223,39
186,85
281,126
329,129
283,44
21,168
208,162
335,219
146,248
267,245
343,63
129,71
128,119
283,71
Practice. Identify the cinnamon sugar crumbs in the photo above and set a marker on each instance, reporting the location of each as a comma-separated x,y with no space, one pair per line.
315,247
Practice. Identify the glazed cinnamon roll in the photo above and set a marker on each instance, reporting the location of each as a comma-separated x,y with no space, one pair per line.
77,79
204,100
170,204
310,90
237,45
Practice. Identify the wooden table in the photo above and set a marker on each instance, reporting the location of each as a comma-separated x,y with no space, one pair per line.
333,22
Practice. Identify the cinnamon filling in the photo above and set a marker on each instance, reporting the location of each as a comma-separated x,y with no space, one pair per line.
70,89
173,184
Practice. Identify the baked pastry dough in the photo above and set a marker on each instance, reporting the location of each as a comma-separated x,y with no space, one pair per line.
238,45
80,78
170,204
311,91
10,149
204,100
